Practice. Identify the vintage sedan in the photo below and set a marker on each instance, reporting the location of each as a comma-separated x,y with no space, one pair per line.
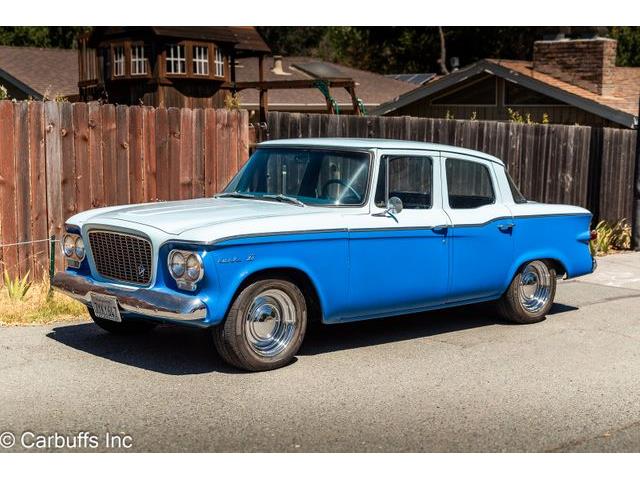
327,230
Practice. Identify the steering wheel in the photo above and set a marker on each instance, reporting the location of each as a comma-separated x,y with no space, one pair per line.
338,181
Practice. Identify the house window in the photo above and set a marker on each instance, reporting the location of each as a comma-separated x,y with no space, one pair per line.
219,63
201,60
176,61
138,60
118,61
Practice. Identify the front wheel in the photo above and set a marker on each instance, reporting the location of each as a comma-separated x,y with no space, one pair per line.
530,294
265,326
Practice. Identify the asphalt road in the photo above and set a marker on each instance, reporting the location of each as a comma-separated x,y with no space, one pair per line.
446,381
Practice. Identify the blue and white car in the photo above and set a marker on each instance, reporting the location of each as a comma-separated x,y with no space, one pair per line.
328,230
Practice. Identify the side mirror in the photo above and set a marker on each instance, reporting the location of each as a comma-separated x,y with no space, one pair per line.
394,205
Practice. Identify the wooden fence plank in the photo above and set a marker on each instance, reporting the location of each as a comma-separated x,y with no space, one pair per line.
150,152
122,161
96,165
23,193
211,151
136,155
109,160
162,153
185,160
199,152
53,153
81,149
174,154
8,219
68,174
38,186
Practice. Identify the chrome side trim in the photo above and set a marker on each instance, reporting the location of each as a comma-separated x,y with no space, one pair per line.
146,302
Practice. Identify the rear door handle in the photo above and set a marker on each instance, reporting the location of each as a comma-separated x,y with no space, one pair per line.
440,229
506,227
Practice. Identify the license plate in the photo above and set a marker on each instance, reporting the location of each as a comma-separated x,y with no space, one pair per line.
106,307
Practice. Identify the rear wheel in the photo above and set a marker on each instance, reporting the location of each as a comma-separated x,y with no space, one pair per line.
265,326
530,294
126,327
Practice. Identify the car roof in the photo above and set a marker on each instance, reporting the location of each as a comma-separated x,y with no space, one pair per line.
382,143
368,143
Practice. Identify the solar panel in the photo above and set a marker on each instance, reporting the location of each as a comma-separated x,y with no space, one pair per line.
320,70
415,78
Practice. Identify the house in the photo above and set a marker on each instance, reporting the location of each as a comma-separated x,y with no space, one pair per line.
569,81
163,66
372,89
38,73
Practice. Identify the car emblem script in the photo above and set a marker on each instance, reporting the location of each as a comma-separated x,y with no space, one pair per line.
141,270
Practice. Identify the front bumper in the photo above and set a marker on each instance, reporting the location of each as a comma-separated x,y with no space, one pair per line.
144,302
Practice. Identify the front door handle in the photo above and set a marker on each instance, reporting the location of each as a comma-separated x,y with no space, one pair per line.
506,227
440,229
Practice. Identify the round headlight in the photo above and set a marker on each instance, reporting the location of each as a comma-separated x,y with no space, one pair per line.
79,248
68,245
177,264
194,268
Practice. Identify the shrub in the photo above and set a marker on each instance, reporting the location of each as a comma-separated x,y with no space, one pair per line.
17,288
616,237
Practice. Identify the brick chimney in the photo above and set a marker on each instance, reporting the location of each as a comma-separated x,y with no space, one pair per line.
587,63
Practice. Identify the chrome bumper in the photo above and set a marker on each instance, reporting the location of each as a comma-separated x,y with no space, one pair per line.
149,303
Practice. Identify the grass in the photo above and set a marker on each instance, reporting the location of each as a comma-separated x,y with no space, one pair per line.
38,308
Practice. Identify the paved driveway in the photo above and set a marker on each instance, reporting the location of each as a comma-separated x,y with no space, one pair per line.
446,381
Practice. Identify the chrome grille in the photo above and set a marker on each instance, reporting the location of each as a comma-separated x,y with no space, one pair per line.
121,256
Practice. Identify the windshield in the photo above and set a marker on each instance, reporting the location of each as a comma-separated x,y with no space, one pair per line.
314,177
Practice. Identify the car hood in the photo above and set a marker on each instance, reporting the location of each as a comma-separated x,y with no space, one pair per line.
179,217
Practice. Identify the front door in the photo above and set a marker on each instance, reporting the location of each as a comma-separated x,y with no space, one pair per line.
400,263
481,240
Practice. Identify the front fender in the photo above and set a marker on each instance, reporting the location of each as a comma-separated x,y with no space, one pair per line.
321,258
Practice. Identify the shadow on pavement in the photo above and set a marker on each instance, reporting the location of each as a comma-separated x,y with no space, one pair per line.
176,350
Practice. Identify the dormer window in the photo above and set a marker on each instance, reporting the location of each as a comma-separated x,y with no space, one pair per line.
176,60
118,61
138,60
200,60
219,63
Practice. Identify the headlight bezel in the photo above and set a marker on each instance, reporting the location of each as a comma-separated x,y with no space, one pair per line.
184,280
71,254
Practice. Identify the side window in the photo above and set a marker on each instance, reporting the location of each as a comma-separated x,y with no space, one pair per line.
469,184
410,178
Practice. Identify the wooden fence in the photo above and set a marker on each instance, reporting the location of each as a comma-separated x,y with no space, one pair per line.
57,159
588,166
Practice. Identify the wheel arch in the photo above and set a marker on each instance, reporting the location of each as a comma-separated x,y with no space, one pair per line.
298,277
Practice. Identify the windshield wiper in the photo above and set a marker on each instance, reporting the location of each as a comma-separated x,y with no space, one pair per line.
235,195
284,198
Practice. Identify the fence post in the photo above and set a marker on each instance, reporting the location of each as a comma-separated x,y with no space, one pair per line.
52,263
636,189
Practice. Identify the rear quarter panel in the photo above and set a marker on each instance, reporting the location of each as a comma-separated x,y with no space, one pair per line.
552,231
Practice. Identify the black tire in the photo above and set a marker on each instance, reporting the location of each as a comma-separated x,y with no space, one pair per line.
516,306
127,327
236,343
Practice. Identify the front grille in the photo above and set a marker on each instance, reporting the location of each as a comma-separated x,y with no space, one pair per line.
121,256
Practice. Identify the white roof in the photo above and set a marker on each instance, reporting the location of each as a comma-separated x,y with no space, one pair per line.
383,143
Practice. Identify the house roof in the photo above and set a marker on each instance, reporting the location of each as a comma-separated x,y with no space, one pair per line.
249,40
40,71
417,78
621,107
372,88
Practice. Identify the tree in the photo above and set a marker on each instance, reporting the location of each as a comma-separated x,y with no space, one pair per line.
60,37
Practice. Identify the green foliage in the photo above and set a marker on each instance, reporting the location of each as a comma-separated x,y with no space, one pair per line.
616,236
60,37
17,288
417,49
516,117
628,54
4,95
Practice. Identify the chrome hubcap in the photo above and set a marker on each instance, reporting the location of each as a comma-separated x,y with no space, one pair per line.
535,286
270,323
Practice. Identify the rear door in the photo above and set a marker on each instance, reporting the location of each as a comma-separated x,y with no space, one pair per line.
482,226
400,264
